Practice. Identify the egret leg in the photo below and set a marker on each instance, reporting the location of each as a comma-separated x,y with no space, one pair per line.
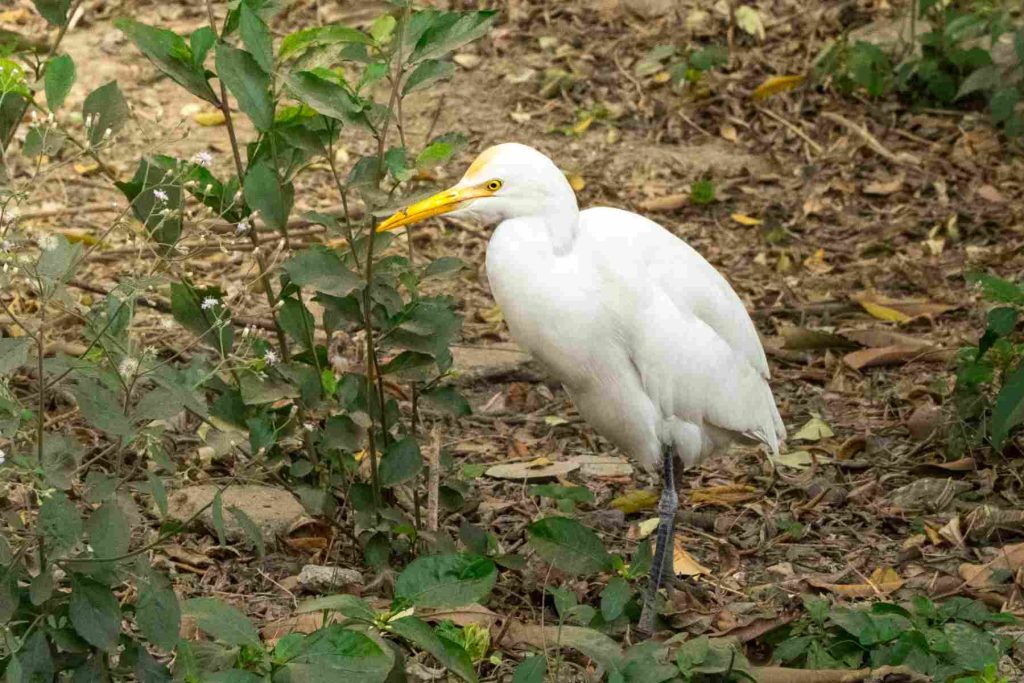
668,505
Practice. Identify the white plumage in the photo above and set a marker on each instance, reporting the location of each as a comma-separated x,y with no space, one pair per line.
653,345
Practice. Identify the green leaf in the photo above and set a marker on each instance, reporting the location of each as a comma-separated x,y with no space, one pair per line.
327,97
60,524
108,110
449,400
320,267
984,79
444,267
95,613
200,43
168,52
157,612
155,195
401,462
350,606
59,263
57,82
568,545
297,321
446,580
43,140
33,662
421,635
1008,411
382,28
1003,103
54,11
10,595
41,588
709,58
614,597
101,408
338,654
61,455
531,670
265,193
217,517
248,82
222,621
251,530
258,392
300,41
186,307
13,353
256,37
109,531
426,74
449,31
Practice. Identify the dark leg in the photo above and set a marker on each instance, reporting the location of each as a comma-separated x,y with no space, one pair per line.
667,508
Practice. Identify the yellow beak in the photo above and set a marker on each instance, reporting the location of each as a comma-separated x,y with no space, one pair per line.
441,203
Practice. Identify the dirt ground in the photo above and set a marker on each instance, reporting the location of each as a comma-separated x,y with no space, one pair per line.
856,201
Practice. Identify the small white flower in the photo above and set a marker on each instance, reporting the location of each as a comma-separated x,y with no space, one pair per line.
309,426
6,245
242,228
48,242
209,302
202,158
128,367
160,195
3,457
270,357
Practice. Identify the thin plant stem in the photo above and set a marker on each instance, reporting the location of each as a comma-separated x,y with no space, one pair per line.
268,288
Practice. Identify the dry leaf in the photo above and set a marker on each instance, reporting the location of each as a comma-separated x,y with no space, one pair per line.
728,132
209,118
748,19
900,311
462,616
884,188
636,500
876,337
816,263
669,202
87,169
683,563
581,127
730,494
576,181
807,339
814,429
1009,559
744,219
798,460
882,581
884,355
492,315
776,85
991,194
535,469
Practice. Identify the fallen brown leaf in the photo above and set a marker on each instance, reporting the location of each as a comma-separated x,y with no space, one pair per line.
1010,559
875,337
730,494
885,355
683,563
883,580
885,187
669,202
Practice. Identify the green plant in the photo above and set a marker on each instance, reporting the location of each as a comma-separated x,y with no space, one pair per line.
681,66
950,63
702,192
944,640
76,586
989,394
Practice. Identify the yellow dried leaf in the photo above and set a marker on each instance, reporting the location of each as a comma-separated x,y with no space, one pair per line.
492,315
728,132
884,312
776,85
576,181
209,118
79,236
662,77
647,527
744,219
581,127
636,500
815,429
883,580
730,494
683,563
87,169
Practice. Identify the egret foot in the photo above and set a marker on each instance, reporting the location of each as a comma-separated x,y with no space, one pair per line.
662,564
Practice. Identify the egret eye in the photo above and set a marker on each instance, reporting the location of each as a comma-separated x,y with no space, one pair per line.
493,185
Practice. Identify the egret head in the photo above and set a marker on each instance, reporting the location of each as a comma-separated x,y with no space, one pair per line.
506,181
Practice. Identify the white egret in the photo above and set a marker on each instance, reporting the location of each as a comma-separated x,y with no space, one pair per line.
650,341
